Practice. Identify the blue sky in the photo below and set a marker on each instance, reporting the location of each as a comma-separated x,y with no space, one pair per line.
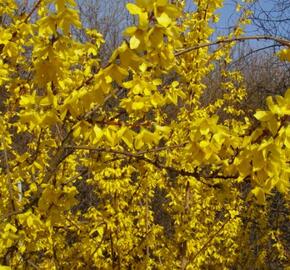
228,16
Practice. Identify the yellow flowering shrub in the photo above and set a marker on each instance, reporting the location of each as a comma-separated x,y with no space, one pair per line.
118,166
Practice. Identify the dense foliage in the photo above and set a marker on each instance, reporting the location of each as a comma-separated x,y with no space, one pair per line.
122,165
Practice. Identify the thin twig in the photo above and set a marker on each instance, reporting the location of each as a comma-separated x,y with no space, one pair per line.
32,264
154,150
9,180
31,12
192,258
279,40
254,51
155,163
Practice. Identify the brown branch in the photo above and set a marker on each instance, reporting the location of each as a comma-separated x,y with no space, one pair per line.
279,40
102,240
14,213
265,134
9,179
93,110
25,21
192,258
124,153
34,156
112,251
31,12
121,123
61,154
155,163
139,244
32,264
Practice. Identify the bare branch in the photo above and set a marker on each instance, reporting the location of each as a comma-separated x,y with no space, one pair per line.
33,9
279,40
140,156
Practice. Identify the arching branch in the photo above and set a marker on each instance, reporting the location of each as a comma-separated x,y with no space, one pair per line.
279,40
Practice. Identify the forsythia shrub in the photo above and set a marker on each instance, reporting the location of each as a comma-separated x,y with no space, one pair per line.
120,165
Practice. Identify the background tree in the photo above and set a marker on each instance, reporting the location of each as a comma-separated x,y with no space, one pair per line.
273,18
110,18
